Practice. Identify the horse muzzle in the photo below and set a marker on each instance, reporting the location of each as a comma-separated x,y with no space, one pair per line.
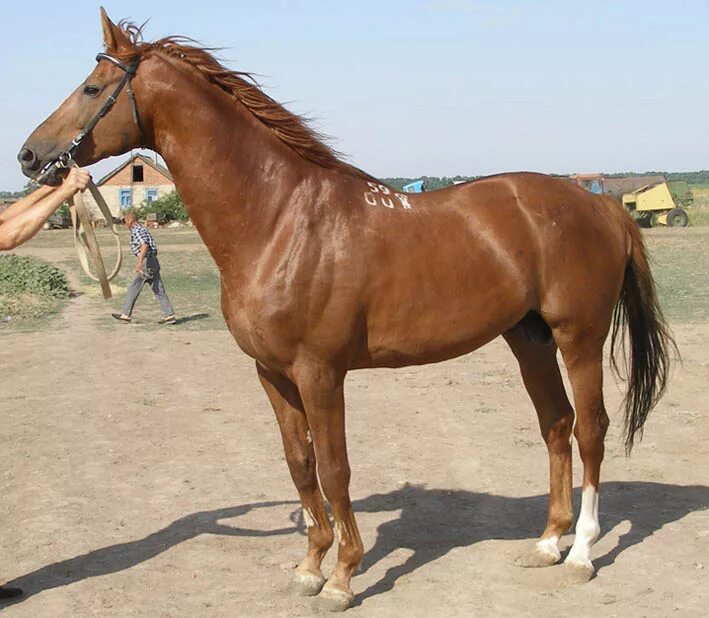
42,167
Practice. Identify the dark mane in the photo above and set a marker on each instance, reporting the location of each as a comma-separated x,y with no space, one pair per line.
291,129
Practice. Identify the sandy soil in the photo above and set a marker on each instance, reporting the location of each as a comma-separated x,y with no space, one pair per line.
142,474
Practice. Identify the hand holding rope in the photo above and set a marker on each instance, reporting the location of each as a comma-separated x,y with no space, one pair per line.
85,241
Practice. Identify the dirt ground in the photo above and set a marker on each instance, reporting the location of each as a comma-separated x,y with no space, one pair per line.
142,474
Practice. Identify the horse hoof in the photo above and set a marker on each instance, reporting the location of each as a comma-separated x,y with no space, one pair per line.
578,572
334,600
538,556
306,584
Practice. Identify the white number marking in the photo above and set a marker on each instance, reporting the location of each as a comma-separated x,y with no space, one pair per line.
404,199
383,195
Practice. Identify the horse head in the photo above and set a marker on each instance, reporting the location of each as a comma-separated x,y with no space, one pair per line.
99,119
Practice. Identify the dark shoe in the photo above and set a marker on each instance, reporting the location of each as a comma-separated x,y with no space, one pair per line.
120,318
168,320
6,592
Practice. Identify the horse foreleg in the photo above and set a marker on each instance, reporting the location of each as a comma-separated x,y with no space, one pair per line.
322,390
584,364
542,379
308,579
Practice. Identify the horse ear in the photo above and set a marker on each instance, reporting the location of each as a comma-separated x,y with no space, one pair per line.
113,37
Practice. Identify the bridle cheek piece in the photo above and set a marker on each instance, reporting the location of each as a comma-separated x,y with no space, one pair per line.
65,159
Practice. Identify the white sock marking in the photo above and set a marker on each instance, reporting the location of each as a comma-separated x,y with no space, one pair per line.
587,529
549,546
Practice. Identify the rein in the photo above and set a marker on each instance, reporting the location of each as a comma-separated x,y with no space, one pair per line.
84,236
85,239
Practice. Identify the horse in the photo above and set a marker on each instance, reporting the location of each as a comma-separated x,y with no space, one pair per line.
325,269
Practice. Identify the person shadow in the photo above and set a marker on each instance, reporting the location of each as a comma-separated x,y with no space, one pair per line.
431,523
122,556
191,318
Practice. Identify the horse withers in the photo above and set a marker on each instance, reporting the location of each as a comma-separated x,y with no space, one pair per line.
325,269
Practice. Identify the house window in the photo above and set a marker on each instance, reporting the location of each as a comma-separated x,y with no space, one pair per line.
151,195
125,198
137,173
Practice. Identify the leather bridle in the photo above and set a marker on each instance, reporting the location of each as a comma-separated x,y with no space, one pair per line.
84,237
65,158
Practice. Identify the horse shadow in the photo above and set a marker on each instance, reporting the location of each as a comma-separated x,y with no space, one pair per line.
431,523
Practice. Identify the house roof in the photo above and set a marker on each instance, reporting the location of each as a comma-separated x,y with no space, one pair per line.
161,169
619,186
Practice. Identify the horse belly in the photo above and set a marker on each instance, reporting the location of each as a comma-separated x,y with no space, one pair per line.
441,325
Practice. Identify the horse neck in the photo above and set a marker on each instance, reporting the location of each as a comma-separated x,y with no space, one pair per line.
233,174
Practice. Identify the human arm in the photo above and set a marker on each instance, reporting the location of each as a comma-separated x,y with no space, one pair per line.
141,257
26,202
28,220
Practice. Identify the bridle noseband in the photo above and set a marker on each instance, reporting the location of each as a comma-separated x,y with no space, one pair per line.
66,158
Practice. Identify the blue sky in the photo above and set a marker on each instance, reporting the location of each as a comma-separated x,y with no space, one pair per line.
437,87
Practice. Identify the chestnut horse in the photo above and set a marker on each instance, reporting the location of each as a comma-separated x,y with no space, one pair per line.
325,269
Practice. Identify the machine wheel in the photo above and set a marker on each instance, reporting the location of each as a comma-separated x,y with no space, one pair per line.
677,218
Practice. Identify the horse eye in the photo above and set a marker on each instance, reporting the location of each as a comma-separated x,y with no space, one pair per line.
91,91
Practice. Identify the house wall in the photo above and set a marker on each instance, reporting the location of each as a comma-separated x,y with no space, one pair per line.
112,196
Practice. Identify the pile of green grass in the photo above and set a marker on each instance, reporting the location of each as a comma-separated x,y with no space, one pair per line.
698,215
699,211
30,288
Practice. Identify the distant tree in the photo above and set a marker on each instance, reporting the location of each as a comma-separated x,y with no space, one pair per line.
63,210
430,182
29,187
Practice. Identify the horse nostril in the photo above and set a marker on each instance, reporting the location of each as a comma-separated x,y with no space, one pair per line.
26,155
28,158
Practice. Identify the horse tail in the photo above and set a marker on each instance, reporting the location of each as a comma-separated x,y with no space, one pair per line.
649,338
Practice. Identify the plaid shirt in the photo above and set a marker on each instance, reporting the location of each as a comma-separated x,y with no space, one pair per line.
140,236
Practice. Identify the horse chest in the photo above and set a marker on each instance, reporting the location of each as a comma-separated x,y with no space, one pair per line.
264,328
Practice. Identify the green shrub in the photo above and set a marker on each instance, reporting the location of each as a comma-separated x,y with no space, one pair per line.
25,275
170,205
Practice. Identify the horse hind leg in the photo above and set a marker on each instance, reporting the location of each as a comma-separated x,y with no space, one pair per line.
536,355
308,579
583,355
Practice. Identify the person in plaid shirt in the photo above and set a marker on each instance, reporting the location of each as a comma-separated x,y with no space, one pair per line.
147,270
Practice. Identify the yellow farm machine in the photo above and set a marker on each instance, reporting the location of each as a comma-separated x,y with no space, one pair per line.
651,199
655,205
